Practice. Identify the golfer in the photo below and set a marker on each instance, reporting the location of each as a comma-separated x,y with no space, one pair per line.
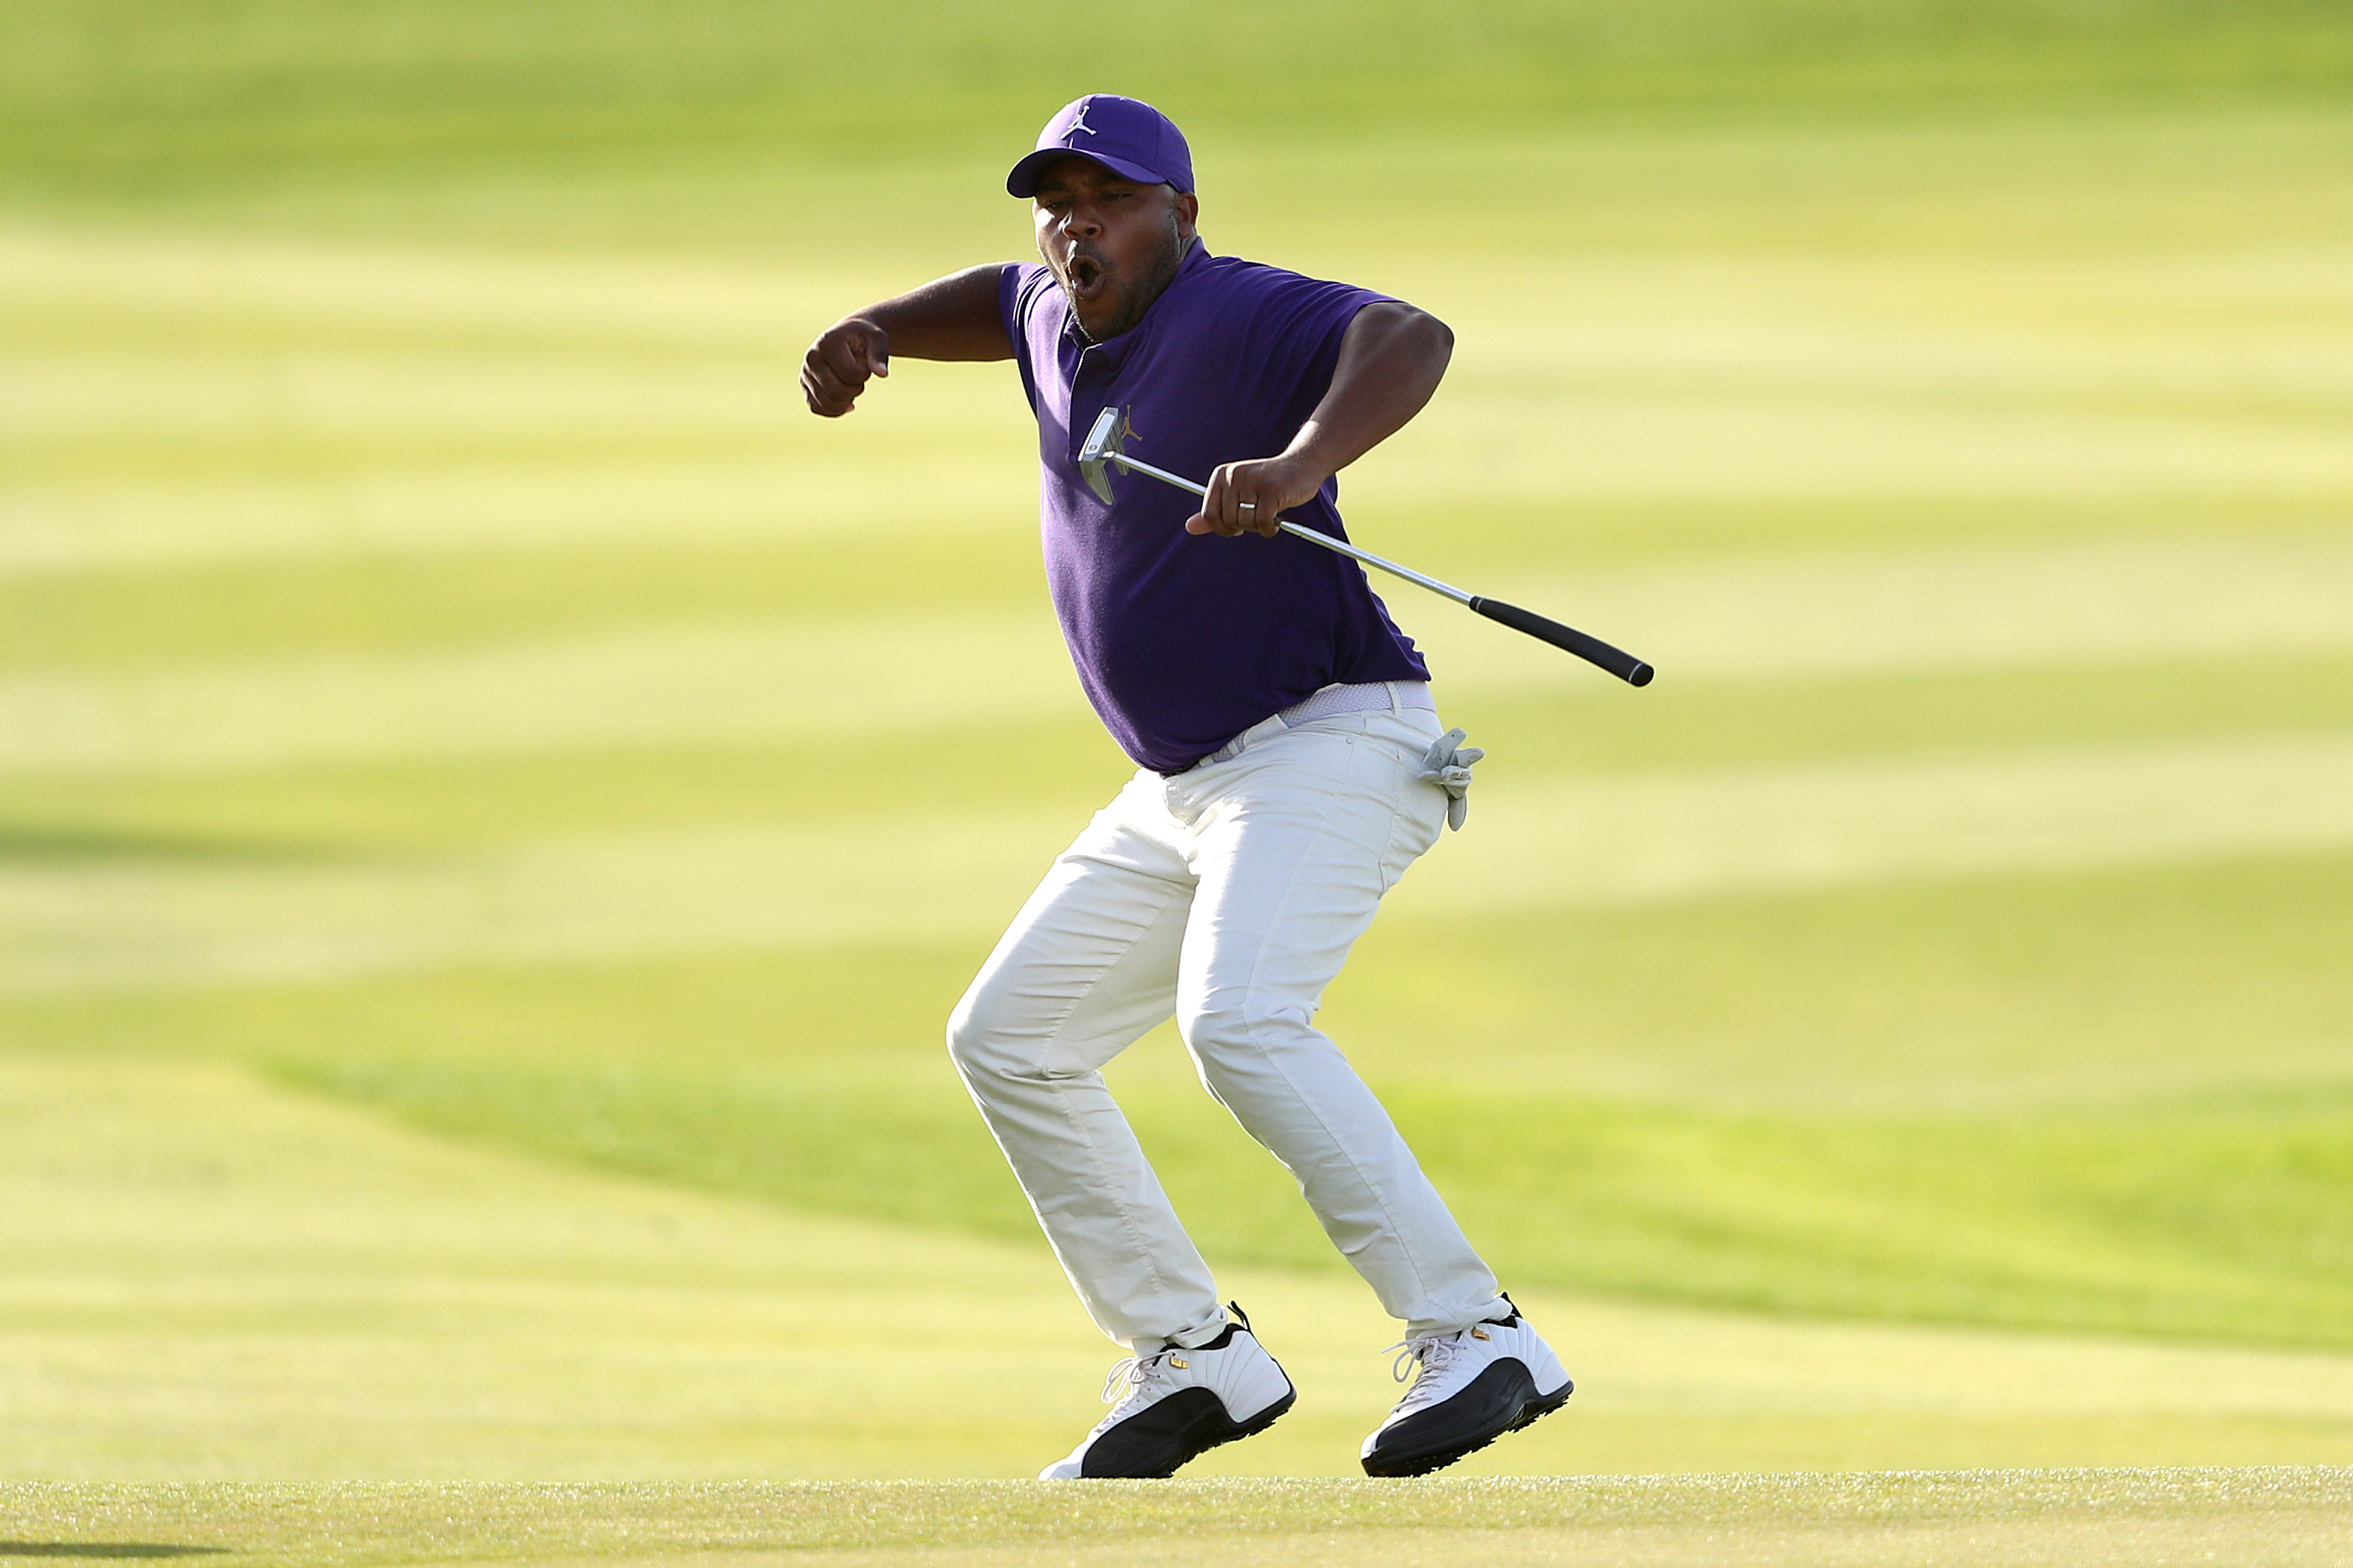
1289,767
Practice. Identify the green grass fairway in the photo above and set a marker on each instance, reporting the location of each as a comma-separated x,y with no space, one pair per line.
214,1278
496,803
2264,1518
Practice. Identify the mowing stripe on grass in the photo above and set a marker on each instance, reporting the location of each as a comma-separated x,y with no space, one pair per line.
1615,841
588,500
1847,615
645,688
1677,836
1904,612
1770,439
330,287
786,886
1688,319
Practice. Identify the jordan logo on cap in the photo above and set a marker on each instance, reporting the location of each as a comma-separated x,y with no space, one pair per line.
1080,122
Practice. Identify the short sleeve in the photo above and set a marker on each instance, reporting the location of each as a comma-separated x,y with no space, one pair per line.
1291,339
1018,290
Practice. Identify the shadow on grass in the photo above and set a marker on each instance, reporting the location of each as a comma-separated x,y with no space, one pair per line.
31,845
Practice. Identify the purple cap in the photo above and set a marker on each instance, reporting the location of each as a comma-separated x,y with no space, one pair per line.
1126,135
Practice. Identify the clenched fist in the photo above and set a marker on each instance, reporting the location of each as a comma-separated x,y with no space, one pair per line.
837,366
1250,497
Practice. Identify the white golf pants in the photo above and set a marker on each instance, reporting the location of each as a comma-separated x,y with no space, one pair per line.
1229,896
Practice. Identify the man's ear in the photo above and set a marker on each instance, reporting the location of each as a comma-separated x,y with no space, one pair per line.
1189,208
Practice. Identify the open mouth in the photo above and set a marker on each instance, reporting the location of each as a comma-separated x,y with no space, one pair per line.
1086,277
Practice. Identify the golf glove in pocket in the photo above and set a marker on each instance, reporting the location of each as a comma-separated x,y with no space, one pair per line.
1448,764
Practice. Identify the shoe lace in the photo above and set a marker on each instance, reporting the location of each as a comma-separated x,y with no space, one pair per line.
1132,1375
1433,1351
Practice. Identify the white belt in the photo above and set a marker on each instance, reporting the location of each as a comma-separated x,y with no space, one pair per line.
1377,696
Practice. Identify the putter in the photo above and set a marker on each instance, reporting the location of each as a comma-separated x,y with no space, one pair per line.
1104,445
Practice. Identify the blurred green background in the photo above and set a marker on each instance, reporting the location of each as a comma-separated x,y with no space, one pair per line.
455,707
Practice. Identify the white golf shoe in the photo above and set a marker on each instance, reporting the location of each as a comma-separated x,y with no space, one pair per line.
1171,1404
1475,1385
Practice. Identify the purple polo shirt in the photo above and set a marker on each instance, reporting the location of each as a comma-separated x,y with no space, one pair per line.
1182,640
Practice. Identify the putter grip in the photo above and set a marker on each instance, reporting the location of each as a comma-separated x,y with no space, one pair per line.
1593,650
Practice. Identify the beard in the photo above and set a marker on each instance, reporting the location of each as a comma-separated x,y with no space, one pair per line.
1129,295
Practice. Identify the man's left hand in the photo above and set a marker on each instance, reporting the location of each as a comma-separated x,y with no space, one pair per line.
1248,497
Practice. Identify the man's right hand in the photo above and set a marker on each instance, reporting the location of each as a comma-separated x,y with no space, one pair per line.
835,368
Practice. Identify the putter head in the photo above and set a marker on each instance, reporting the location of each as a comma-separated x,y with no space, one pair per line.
1108,437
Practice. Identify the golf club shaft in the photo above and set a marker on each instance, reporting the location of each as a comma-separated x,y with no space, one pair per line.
1592,649
1302,532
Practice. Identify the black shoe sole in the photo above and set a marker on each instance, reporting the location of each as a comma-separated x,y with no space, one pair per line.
1182,1429
1421,1461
